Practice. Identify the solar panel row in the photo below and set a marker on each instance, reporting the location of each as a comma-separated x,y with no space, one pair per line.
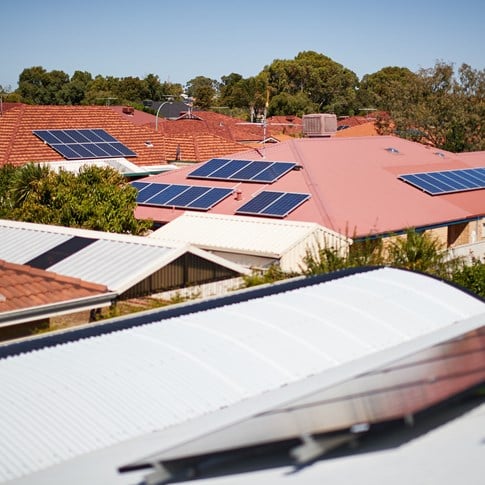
180,196
82,144
242,170
273,204
266,203
448,181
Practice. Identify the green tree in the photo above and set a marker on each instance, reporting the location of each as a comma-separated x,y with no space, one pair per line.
471,276
417,251
441,109
38,86
327,84
97,198
74,92
297,104
388,89
203,90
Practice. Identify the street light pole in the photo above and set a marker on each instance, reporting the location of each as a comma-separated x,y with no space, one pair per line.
158,111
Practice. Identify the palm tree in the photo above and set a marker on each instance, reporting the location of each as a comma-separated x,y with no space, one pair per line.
417,251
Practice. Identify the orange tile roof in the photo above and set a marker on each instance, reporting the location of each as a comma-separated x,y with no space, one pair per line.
22,286
210,122
18,145
364,129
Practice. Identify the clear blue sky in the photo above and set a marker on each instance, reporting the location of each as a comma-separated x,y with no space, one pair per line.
179,40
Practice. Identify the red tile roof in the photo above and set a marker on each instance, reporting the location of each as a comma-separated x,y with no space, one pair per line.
210,122
353,183
364,129
18,145
23,287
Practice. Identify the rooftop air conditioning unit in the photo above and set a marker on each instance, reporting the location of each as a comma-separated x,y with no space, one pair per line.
319,124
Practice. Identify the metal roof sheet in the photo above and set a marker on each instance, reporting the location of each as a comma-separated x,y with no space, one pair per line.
85,394
115,260
19,246
253,235
118,265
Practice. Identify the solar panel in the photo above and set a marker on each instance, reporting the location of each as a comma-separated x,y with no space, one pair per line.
82,144
447,181
242,170
139,185
208,167
148,192
210,198
273,204
180,196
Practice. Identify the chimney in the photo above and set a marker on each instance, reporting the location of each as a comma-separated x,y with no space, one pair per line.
238,195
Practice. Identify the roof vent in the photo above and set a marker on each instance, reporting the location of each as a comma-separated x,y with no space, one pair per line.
320,124
439,154
392,150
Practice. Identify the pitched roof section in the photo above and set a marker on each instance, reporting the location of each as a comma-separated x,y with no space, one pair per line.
23,287
18,145
353,183
250,235
118,261
217,124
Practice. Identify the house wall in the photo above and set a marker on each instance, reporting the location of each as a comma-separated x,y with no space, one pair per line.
293,260
23,329
247,260
187,270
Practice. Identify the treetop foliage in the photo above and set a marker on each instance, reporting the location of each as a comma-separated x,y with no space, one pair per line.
440,105
96,198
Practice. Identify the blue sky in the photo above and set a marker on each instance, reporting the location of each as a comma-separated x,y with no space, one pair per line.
181,40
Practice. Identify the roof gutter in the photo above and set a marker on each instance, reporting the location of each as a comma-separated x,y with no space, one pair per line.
31,314
428,227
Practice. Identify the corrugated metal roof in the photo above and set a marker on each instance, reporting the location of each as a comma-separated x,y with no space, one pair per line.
19,246
118,265
62,401
115,260
251,235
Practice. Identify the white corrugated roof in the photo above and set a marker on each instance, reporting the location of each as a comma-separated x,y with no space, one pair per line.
18,246
118,265
115,260
254,235
63,401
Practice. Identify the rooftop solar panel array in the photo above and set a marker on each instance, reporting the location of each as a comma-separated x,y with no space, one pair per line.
447,181
180,196
273,204
84,144
242,170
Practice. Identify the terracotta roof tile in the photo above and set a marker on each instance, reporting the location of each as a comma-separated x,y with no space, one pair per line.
22,287
218,124
18,145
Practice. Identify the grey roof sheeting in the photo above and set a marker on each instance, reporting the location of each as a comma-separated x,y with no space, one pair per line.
106,385
118,261
19,246
115,264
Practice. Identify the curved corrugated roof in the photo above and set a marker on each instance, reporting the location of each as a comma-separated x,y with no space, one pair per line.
84,394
